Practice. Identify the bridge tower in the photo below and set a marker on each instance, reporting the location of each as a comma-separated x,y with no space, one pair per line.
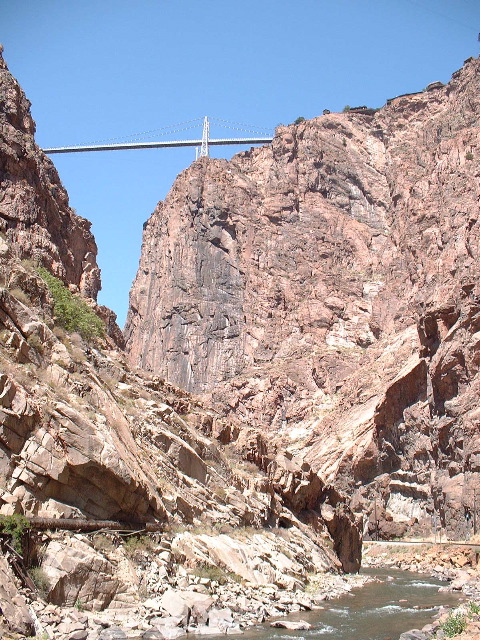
205,136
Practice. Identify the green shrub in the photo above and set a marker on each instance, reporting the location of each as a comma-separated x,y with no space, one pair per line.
469,156
137,544
346,108
72,313
473,608
40,580
79,606
36,343
455,623
299,120
21,296
15,525
103,543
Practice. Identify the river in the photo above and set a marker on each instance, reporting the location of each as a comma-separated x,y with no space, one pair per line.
377,611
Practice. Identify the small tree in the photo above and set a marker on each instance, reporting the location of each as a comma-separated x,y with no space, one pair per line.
14,526
299,120
71,312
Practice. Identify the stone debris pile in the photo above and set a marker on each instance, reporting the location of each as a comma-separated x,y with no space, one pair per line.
95,587
202,609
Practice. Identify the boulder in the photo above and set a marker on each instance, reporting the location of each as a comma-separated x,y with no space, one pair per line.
414,634
204,630
220,619
183,605
76,572
112,633
291,625
173,603
170,633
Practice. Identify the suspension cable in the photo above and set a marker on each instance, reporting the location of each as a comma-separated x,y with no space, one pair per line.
169,129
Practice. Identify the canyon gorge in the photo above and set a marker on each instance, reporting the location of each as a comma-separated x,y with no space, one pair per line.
298,370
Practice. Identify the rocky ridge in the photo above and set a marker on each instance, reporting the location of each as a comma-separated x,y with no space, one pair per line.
322,293
34,210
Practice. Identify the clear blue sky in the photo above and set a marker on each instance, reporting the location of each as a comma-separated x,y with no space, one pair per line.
101,69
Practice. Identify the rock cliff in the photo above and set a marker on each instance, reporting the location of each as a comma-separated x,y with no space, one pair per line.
85,437
322,292
34,210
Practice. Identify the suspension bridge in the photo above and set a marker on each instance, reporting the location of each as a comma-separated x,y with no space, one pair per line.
202,144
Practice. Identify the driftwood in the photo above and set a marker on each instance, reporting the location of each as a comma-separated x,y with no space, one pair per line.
77,524
16,562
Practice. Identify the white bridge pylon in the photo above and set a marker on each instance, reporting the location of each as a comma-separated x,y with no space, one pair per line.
202,145
205,137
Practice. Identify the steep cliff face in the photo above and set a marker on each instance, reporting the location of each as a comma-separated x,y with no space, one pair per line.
308,288
263,258
34,211
406,420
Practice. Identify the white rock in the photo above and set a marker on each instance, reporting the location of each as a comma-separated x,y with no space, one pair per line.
203,630
292,625
220,618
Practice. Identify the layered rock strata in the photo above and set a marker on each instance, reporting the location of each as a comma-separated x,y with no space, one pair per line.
323,291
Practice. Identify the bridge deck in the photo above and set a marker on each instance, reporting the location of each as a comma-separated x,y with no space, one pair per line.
154,145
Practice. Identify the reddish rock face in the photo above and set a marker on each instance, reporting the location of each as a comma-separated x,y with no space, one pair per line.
34,211
288,283
267,258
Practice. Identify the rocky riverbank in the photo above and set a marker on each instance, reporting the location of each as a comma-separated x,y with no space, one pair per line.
100,586
457,564
204,607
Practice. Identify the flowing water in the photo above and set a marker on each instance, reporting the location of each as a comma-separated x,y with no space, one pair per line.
382,609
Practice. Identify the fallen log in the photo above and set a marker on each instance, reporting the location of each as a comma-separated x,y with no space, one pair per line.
78,524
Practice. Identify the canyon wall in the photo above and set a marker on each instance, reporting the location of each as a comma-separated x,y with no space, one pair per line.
88,439
322,292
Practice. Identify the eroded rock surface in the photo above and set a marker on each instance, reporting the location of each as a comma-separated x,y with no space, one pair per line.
12,604
322,292
34,210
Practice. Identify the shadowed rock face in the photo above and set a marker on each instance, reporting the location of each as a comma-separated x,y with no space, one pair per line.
323,290
34,211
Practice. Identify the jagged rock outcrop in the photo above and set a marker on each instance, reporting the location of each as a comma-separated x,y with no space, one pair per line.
82,436
34,210
260,558
322,290
257,264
